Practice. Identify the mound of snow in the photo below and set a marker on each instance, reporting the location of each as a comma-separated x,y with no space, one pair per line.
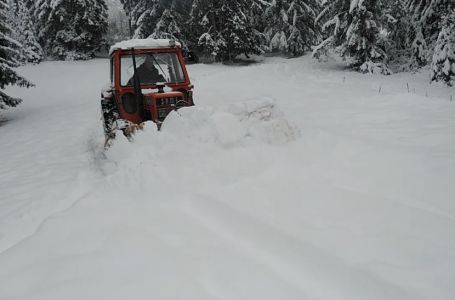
255,121
234,125
199,129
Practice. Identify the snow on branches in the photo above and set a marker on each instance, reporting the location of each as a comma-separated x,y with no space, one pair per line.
291,25
9,59
443,64
223,29
71,29
20,18
354,29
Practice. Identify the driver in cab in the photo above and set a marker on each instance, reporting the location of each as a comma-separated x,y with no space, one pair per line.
147,73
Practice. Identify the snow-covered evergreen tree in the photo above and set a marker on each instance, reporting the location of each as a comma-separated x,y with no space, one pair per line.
9,55
158,18
354,28
362,38
118,29
223,28
168,26
144,15
397,32
419,48
259,23
24,31
443,64
71,29
291,25
428,16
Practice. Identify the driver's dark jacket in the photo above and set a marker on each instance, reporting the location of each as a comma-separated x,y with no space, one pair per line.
147,76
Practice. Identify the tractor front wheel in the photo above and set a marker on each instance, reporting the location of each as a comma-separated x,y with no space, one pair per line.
109,116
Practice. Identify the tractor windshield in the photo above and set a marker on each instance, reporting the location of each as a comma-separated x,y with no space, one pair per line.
152,68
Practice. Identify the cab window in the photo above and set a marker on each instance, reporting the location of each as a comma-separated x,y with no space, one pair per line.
152,68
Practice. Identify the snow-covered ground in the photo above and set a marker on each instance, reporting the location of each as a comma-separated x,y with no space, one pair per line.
289,180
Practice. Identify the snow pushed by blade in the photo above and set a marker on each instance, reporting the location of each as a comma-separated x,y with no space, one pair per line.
234,125
249,124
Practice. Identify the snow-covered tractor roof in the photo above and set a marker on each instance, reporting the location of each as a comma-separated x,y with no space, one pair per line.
144,44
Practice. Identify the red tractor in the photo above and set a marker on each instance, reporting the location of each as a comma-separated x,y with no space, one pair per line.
148,80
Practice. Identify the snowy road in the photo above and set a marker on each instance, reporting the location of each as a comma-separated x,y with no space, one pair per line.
289,180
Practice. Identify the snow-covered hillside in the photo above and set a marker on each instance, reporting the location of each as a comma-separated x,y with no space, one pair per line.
289,180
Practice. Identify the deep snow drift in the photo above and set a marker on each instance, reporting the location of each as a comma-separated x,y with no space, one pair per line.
289,180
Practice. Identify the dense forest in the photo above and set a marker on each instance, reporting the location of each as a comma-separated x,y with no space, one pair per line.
374,36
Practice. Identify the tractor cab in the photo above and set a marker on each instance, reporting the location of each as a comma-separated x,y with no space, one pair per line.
148,80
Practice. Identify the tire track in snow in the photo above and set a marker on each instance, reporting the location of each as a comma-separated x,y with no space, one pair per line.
45,159
42,222
311,270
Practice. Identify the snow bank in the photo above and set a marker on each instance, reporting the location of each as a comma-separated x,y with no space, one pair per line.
233,125
244,124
